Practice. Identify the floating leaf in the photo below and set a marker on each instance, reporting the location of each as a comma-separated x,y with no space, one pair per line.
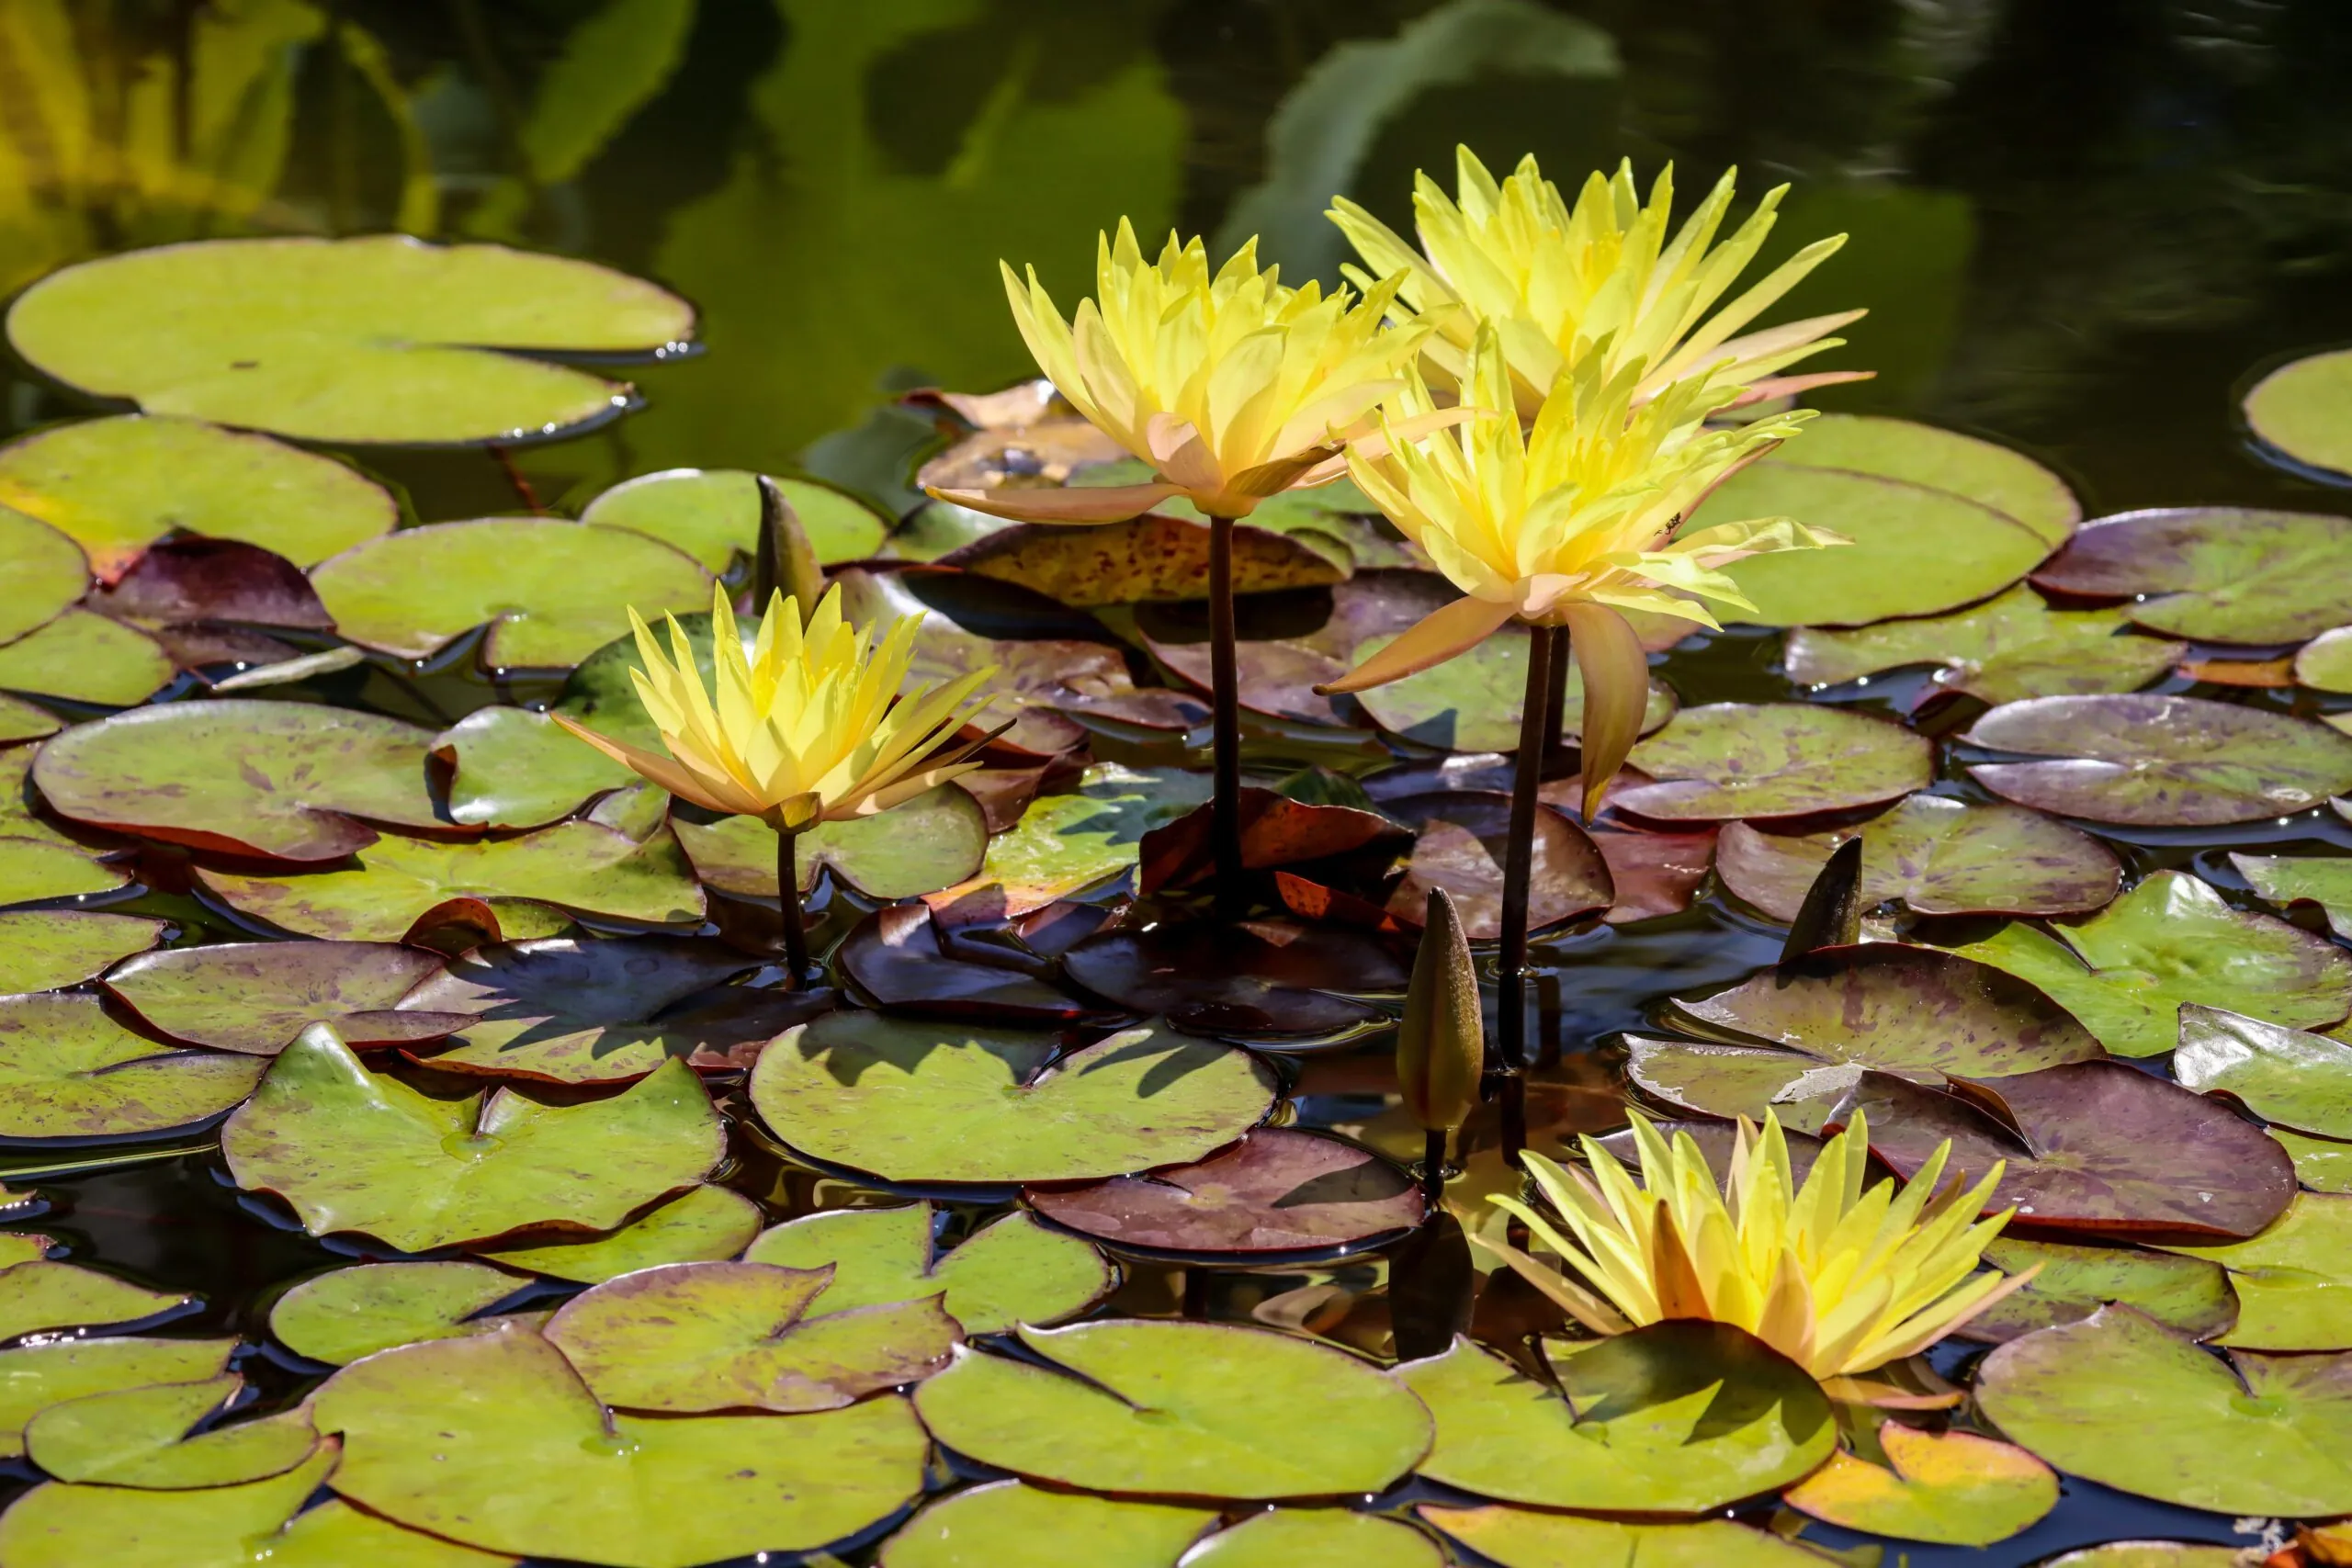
1472,703
2293,1281
1262,980
1068,843
913,1101
360,1151
2120,1400
1518,1538
2281,1075
1465,838
35,1377
1275,1191
255,996
2299,410
703,1223
711,514
116,486
903,957
2160,761
2126,971
519,769
1949,1488
1739,760
2324,1164
1007,1522
2325,663
2007,481
550,591
286,781
1936,856
2012,647
1150,559
69,1072
1178,1409
85,657
138,1437
2186,1294
2148,1554
41,1294
1704,1080
2325,880
20,721
340,1316
1013,1271
33,870
1286,1538
46,573
496,1441
932,842
685,1338
346,341
2213,573
1679,1417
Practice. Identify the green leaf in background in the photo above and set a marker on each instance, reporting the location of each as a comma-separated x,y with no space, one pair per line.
1992,475
704,1223
46,950
42,1295
1011,1271
2293,1281
2186,1294
34,1377
714,513
85,657
2008,648
139,1438
933,841
340,1316
2325,880
46,572
2304,409
68,1071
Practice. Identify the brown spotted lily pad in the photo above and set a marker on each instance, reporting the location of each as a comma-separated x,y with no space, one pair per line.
2011,647
1463,843
255,996
1738,760
69,1072
2214,573
1152,558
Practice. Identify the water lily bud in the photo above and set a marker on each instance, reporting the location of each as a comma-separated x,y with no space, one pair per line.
1441,1042
786,562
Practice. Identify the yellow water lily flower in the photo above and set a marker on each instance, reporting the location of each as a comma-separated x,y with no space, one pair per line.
809,727
1840,1279
1603,277
1232,387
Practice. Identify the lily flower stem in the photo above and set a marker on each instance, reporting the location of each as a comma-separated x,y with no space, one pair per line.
1433,1169
1556,716
788,889
1225,696
1519,868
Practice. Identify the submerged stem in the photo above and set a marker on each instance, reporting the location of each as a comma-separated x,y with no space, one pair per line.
1224,810
788,889
1519,868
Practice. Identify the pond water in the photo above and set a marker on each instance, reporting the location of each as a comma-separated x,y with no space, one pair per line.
2083,231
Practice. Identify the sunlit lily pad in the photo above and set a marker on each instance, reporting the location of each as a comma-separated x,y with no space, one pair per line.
685,1338
496,1441
35,870
139,1438
1008,1524
712,513
354,1150
2013,647
1700,1079
1013,1271
1178,1409
933,841
1152,558
256,996
2148,1554
2325,663
1472,703
1681,1418
552,593
2293,1281
85,657
519,769
1288,1538
2186,1294
1949,1488
339,1316
1462,842
1996,476
2162,762
2120,1399
2304,408
1738,760
2325,880
1067,843
913,1101
21,720
35,1377
2214,573
2324,1164
1520,1537
2127,970
703,1223
1936,856
288,781
1275,1191
2284,1076
41,1294
69,1072
376,339
1265,980
46,573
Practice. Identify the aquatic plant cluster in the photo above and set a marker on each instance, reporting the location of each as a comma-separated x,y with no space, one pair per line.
836,1076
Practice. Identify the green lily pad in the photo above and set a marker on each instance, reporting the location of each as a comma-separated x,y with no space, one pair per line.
583,865
1705,1079
34,1377
285,781
21,720
33,870
69,1072
61,1526
1068,843
2293,1281
2121,1400
2186,1294
1472,703
1949,1488
2284,1076
2300,408
2214,573
2007,481
85,657
2325,663
138,1437
47,950
1741,759
46,573
1286,1537
376,339
352,1150
920,1101
1010,1271
2325,880
114,486
1178,1409
1679,1417
2012,647
1916,550
933,841
1009,1525
1517,1537
552,593
2151,760
2148,1554
704,1223
1152,558
1935,855
2324,1164
2127,970
21,1246
42,1295
496,1441
712,513
339,1316
519,769
255,996
687,1339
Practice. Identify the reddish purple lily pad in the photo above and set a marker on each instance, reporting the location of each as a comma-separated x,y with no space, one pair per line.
284,781
180,581
1743,760
2214,573
255,996
896,956
1259,979
1276,831
2093,1148
1276,1191
1655,873
2152,760
1464,839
